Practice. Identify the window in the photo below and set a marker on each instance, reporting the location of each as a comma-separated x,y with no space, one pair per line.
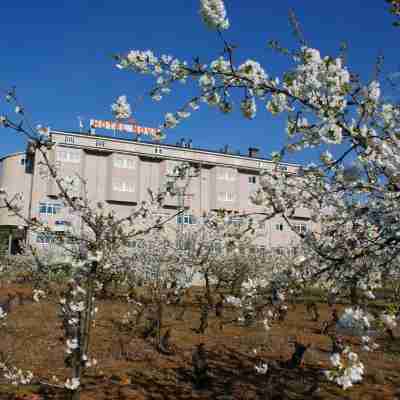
226,196
47,208
29,165
99,143
62,223
44,238
150,272
279,227
261,251
122,186
227,175
65,155
262,165
292,251
185,220
126,163
300,228
158,150
235,220
282,168
136,244
216,247
22,161
252,179
69,139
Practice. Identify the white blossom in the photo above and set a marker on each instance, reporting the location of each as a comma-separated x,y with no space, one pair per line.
18,110
72,344
213,13
355,320
38,294
347,369
388,320
206,82
374,91
72,384
248,107
170,120
261,368
121,108
235,301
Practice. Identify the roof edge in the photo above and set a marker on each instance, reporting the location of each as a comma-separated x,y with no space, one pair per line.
63,132
18,153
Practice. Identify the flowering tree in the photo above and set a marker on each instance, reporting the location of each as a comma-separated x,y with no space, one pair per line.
353,196
94,252
324,104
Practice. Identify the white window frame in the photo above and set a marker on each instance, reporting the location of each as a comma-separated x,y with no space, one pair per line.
185,219
49,205
65,155
124,163
301,227
262,165
123,186
70,139
227,175
45,238
228,197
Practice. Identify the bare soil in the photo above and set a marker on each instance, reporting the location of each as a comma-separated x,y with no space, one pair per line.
130,367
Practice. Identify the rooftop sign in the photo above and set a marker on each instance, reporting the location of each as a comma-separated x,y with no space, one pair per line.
119,126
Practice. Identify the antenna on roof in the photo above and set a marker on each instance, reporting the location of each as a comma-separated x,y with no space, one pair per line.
80,120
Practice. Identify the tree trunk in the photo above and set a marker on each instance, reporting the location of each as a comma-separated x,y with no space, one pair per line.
208,290
354,294
160,310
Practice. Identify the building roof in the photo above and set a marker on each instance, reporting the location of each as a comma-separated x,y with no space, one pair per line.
167,145
12,155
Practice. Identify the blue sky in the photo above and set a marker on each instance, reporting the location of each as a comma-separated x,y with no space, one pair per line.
59,55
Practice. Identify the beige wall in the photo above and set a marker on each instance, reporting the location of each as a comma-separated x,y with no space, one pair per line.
119,172
15,180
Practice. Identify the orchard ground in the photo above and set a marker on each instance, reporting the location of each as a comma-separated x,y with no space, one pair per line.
129,367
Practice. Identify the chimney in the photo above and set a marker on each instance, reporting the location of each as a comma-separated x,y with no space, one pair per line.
226,148
182,142
253,152
189,144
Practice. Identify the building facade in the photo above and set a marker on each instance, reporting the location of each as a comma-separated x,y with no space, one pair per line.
119,172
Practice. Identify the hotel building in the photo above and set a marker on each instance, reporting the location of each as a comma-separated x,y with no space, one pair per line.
119,171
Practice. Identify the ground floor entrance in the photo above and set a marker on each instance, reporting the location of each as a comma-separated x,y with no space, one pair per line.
11,238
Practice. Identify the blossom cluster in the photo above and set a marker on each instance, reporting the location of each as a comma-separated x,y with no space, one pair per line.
121,108
72,384
3,314
355,320
38,294
213,13
347,369
15,375
261,368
